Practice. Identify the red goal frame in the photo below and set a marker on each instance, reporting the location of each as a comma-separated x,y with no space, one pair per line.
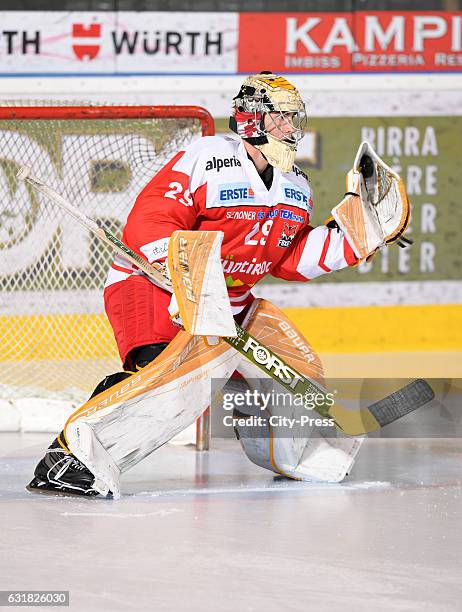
112,112
88,113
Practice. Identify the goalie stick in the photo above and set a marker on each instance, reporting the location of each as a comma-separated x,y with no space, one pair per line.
354,423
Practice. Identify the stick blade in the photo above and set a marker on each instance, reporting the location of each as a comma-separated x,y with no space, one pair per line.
402,402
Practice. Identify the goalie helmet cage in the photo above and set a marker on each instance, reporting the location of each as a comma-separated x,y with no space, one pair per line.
56,341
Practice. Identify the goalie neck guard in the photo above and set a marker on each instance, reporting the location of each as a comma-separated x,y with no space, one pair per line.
270,114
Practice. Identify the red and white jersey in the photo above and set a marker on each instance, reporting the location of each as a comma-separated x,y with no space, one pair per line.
213,185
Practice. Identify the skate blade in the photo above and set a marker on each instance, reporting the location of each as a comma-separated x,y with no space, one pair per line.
58,493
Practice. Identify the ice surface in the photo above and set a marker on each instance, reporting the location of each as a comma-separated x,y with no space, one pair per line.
211,531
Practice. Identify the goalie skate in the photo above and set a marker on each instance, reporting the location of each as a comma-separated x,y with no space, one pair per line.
60,473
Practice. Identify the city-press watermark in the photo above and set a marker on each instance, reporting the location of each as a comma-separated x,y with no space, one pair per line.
378,407
297,408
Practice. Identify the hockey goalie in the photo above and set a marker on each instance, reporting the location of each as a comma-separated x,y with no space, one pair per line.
250,190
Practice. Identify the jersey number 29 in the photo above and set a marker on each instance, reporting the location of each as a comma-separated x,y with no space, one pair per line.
265,230
176,190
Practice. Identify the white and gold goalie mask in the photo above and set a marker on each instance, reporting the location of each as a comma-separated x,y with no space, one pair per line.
269,113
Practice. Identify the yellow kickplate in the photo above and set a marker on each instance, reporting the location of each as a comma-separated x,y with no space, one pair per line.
56,337
374,329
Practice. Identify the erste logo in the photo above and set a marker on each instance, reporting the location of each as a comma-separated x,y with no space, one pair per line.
235,192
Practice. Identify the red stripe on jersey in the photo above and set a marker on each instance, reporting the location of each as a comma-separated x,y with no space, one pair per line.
348,253
325,248
120,269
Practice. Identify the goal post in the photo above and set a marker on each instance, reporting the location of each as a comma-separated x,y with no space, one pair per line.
56,341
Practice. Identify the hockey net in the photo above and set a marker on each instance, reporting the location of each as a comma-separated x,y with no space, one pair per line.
56,342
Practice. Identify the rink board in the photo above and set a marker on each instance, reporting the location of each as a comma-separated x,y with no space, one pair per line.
329,330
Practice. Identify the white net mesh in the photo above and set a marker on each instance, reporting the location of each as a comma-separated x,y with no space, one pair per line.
54,336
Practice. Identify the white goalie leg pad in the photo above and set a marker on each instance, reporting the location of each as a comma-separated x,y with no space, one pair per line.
86,447
263,444
304,453
255,441
322,460
327,459
119,427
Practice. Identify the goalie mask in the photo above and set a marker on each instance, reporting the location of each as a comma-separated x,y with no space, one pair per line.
269,113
